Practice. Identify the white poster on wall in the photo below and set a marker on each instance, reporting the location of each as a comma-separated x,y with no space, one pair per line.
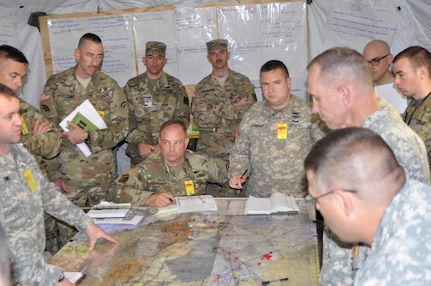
340,23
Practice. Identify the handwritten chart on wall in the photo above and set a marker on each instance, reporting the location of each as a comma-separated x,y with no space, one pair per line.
256,33
117,37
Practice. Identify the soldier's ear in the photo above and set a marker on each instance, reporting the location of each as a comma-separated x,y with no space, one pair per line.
187,141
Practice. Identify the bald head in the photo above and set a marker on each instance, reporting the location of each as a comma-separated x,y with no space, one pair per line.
378,55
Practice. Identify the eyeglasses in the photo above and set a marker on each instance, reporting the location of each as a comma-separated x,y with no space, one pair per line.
310,198
376,61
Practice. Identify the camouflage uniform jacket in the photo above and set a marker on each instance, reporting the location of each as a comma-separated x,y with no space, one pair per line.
418,117
274,165
154,176
63,93
22,211
337,266
43,146
169,100
213,107
401,250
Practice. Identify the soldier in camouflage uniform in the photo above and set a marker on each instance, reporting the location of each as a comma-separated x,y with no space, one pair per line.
412,68
331,76
220,101
85,179
39,136
153,97
365,196
174,171
275,137
26,195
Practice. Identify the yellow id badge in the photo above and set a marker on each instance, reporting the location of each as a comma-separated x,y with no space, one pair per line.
190,188
282,131
355,249
24,129
30,181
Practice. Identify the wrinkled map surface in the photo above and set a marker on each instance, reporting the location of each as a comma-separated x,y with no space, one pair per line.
211,248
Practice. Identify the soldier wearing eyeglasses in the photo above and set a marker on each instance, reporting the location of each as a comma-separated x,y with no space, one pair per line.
378,55
366,197
340,84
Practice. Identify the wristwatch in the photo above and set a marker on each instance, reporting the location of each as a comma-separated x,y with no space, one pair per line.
61,278
87,140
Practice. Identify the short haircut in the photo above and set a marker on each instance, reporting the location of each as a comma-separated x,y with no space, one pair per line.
273,65
90,37
9,52
344,64
171,122
352,158
418,57
7,92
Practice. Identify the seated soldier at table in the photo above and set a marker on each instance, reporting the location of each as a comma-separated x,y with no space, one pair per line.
174,171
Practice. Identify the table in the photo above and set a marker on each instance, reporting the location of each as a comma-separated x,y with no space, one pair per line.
209,248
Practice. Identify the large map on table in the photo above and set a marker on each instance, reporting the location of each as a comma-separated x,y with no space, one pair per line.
202,249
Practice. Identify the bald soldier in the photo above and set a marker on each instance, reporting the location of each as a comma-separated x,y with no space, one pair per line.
153,97
378,55
174,171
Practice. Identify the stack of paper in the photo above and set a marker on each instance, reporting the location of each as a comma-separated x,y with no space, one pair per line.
276,203
111,213
87,117
189,204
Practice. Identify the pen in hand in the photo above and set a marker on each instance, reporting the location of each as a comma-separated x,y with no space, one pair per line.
243,174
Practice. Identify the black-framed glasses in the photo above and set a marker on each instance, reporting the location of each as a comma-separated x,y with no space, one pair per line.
376,61
310,198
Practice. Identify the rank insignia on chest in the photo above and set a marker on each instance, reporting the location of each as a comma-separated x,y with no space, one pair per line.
24,129
30,181
190,188
282,131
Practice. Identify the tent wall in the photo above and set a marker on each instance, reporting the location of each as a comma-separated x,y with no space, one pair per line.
413,24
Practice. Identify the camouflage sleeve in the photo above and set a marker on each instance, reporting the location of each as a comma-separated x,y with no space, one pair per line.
136,135
47,144
239,154
118,125
182,111
208,110
57,205
52,166
422,127
336,262
217,171
130,188
318,128
30,266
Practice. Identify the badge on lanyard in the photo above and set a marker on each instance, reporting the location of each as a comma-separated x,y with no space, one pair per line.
148,100
190,188
30,181
282,131
24,129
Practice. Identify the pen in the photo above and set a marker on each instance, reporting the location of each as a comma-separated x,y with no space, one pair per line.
264,283
243,174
